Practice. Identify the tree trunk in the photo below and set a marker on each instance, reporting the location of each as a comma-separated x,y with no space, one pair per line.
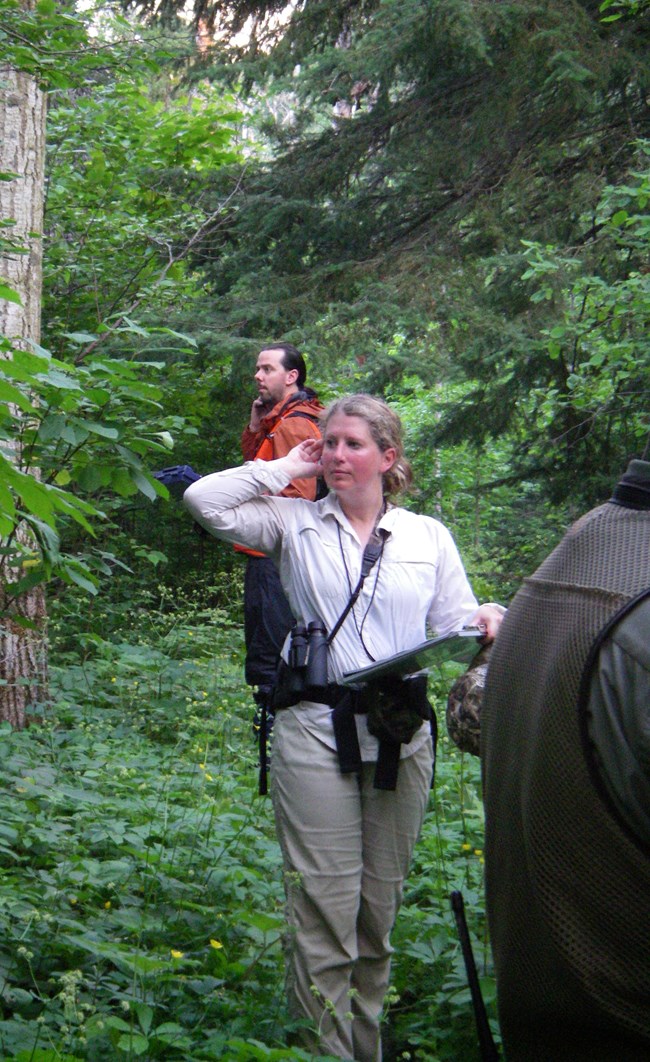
23,650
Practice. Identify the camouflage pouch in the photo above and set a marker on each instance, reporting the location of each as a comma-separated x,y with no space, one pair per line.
464,704
396,708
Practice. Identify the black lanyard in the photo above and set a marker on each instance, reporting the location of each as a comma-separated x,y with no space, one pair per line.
371,554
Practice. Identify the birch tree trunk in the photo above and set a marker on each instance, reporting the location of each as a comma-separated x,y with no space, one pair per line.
23,649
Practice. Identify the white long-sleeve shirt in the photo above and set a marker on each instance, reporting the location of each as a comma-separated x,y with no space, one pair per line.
418,586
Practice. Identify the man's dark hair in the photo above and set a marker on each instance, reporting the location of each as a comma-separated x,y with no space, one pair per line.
291,359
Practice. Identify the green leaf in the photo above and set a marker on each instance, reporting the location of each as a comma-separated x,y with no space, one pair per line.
11,394
133,328
51,427
117,1023
31,361
144,485
7,503
35,496
104,430
62,381
73,575
169,1028
122,483
9,294
554,350
48,539
134,1044
166,439
90,477
74,433
153,556
264,922
171,1033
28,582
145,1015
81,337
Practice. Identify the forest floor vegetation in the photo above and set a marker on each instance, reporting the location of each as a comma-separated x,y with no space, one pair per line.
141,903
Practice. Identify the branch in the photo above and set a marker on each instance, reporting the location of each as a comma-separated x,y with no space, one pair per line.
173,259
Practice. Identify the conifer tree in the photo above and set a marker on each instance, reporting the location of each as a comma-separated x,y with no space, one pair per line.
427,150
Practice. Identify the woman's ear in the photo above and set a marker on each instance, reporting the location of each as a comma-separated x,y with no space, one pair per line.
389,456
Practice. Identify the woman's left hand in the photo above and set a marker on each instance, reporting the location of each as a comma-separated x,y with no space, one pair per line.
489,617
304,459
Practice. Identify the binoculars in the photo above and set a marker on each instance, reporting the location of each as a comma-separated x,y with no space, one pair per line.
308,653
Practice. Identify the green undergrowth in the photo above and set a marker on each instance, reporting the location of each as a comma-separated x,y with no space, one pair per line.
141,906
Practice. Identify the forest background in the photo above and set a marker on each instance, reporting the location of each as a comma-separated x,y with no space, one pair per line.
444,202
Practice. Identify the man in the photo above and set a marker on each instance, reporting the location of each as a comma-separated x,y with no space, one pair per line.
565,751
284,413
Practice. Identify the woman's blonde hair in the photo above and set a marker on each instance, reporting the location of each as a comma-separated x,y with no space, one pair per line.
386,430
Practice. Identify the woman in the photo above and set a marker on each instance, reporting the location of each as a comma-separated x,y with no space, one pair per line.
346,844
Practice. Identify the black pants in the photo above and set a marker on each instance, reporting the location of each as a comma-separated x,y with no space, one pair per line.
267,621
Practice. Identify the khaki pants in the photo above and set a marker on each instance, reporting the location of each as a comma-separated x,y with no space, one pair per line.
346,848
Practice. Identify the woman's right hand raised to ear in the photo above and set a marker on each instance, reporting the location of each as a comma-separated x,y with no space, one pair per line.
304,459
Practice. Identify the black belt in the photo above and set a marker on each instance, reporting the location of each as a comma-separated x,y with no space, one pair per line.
345,703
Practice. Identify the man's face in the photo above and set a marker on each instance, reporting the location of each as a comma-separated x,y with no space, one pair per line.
274,382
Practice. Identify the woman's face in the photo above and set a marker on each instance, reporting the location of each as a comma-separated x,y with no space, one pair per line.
351,459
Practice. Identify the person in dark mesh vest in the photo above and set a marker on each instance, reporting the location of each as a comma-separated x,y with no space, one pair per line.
565,755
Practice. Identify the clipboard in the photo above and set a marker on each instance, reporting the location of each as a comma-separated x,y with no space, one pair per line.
460,646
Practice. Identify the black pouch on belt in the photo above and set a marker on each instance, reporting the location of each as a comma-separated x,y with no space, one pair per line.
396,707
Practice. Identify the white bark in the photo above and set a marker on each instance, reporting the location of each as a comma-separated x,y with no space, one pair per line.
23,656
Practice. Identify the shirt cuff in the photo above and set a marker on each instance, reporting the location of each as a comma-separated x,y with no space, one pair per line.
271,474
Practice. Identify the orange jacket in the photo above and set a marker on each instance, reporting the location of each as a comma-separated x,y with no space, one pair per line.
287,424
